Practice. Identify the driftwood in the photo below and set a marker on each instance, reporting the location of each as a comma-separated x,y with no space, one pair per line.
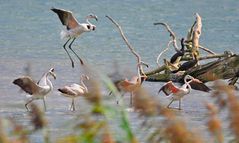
196,35
224,68
220,66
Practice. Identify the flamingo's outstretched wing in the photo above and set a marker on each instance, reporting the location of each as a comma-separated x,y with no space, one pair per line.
168,88
199,85
27,84
66,18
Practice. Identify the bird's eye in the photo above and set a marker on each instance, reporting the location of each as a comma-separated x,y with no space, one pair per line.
88,26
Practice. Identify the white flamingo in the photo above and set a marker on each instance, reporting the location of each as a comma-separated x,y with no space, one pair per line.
177,92
75,90
36,90
73,28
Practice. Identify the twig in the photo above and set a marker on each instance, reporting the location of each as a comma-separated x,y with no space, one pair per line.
174,40
207,50
206,57
139,61
189,36
163,52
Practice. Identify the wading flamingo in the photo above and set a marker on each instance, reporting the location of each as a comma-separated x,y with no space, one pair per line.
75,90
36,90
134,84
179,92
73,28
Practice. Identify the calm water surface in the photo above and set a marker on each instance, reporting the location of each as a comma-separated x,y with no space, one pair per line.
29,33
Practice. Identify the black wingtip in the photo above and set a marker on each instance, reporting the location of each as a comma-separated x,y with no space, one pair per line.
60,90
16,81
159,90
54,9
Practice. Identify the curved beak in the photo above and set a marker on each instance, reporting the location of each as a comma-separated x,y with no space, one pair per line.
53,75
95,17
189,77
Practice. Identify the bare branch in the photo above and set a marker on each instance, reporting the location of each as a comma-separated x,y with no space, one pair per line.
206,57
189,36
139,61
171,35
163,52
207,50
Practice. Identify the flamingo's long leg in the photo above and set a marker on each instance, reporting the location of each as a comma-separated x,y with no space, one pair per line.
64,46
170,103
28,103
179,104
71,107
75,52
73,104
131,99
44,103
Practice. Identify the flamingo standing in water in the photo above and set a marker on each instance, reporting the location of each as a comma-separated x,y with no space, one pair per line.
75,90
73,28
179,92
36,90
134,84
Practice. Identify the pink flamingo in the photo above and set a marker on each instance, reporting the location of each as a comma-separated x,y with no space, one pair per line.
179,92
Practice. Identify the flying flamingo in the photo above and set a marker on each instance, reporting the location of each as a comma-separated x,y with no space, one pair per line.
134,84
179,92
75,90
73,28
36,90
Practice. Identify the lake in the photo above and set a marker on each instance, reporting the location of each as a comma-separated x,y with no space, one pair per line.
29,34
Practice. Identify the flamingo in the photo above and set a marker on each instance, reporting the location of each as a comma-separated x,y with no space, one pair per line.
36,90
75,90
179,92
73,28
133,84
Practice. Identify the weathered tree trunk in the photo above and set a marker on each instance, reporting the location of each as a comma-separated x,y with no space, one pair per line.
224,68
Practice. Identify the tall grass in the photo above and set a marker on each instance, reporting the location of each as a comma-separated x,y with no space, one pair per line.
95,126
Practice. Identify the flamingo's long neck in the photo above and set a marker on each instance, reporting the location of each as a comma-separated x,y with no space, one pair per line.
82,84
49,82
139,74
43,80
87,20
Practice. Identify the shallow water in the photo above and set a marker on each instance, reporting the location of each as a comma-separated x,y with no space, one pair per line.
30,35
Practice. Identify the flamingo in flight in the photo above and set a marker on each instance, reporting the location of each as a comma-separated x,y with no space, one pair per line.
75,90
179,92
36,90
73,28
